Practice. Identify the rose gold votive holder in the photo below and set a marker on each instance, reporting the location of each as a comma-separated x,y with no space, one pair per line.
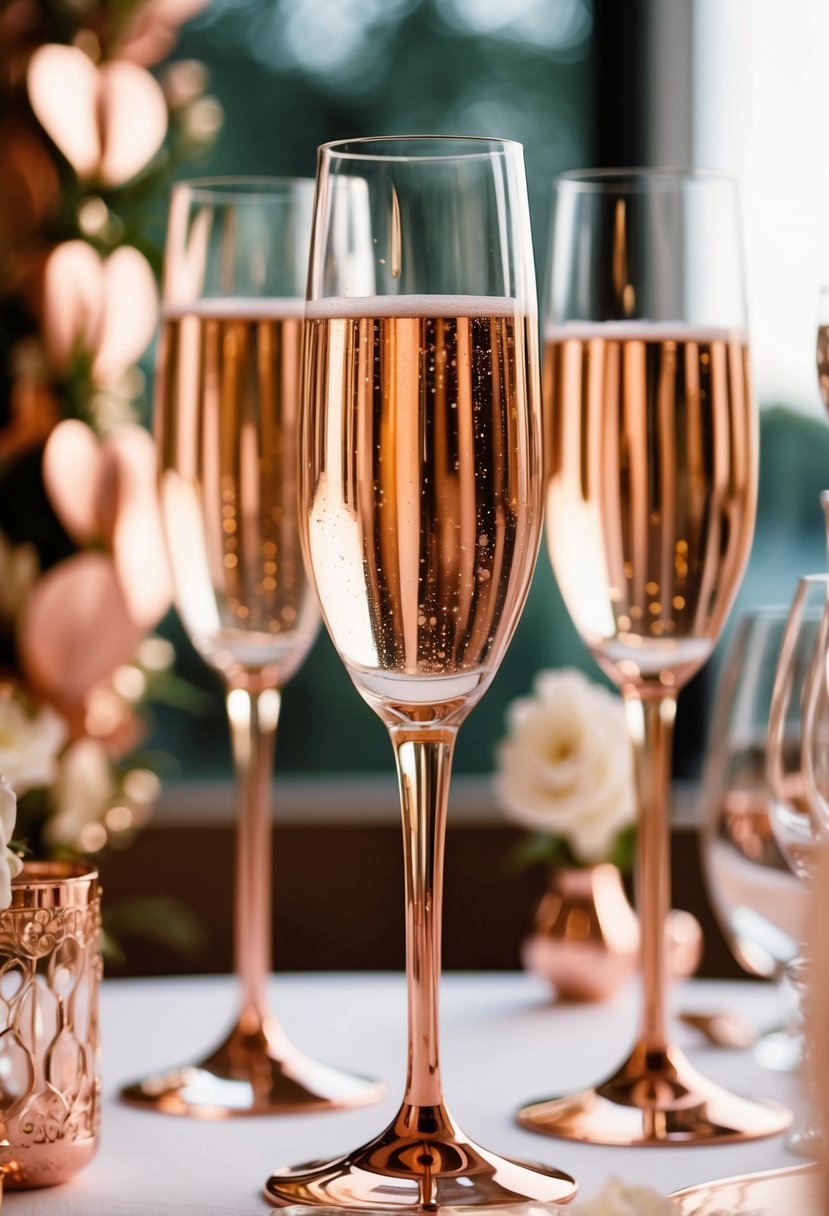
50,970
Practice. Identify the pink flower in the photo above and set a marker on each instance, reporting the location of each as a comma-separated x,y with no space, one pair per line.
106,307
153,31
108,121
88,614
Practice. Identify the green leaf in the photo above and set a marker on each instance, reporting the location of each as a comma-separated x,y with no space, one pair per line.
555,851
542,848
156,918
623,853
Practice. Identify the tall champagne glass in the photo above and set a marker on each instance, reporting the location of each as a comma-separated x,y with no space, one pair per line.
651,490
421,492
797,771
761,906
227,399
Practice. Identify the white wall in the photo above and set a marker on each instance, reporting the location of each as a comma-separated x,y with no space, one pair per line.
760,109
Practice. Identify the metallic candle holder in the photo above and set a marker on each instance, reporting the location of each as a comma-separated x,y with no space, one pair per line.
50,969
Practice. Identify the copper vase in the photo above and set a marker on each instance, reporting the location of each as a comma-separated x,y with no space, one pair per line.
50,969
585,935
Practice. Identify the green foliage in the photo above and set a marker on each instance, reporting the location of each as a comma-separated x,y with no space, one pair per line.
555,852
166,922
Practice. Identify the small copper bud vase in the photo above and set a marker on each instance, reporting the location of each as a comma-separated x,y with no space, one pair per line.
50,971
585,936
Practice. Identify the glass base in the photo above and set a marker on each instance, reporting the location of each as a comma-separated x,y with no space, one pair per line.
655,1098
421,1162
253,1072
806,1141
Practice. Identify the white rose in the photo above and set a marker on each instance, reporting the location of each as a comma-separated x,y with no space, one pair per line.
29,744
82,793
620,1199
565,766
10,863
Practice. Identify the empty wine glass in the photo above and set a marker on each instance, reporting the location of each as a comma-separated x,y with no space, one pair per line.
227,399
759,903
651,495
798,751
421,489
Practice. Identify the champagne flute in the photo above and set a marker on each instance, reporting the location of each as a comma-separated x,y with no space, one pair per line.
797,775
227,399
651,493
760,905
421,491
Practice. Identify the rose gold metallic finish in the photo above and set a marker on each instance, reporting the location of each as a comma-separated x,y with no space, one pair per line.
422,1160
795,1191
656,1097
255,1070
585,937
51,965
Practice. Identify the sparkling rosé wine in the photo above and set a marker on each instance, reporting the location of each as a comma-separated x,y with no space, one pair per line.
422,489
227,402
651,468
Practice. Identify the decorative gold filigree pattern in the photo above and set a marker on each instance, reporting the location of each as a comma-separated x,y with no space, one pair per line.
50,969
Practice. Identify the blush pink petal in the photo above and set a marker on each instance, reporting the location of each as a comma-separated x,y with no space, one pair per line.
138,546
153,32
133,119
73,298
129,313
62,84
72,466
75,629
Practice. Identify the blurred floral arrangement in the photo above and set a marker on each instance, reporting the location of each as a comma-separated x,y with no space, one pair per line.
89,138
618,1198
565,770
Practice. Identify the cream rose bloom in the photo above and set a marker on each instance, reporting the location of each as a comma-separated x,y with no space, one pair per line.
565,766
29,744
82,793
618,1198
10,863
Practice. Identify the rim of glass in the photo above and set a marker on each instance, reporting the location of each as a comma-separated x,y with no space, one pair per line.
37,873
637,178
227,187
478,147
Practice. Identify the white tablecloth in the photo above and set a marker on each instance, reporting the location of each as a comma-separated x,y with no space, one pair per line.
502,1043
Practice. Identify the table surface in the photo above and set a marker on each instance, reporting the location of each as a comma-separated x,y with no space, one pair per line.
503,1043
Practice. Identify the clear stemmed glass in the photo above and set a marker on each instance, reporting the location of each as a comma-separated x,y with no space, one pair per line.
798,749
760,904
652,469
421,489
227,401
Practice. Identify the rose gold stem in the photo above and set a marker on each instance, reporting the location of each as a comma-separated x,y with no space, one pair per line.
424,763
253,713
650,721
